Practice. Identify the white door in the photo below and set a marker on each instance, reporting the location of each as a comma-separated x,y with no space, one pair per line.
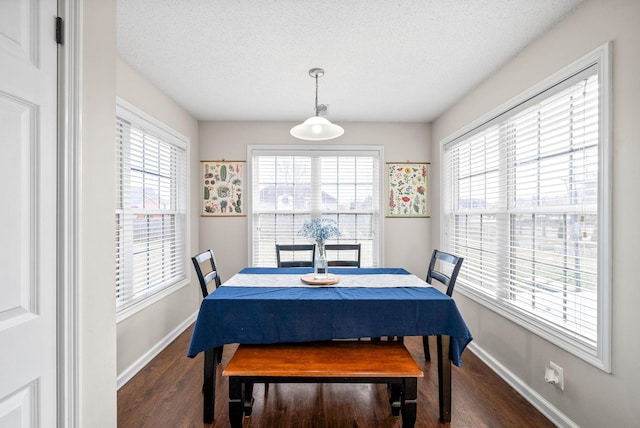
28,222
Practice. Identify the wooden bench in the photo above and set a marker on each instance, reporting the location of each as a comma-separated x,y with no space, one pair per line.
324,362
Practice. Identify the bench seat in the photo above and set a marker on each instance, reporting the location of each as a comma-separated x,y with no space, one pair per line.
324,362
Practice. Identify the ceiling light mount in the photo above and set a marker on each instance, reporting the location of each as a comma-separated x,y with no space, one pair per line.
317,128
316,72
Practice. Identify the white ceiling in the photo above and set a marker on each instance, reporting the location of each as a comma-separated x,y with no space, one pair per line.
392,60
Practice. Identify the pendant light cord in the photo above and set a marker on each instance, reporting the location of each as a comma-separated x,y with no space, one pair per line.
316,95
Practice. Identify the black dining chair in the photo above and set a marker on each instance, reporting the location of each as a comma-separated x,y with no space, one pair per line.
352,252
295,255
205,265
444,268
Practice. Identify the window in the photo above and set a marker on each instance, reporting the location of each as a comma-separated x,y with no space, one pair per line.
151,208
290,184
525,203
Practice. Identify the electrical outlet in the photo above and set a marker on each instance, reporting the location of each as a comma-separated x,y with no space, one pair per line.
554,374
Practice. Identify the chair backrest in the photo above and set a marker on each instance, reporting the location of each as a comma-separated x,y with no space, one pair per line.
352,250
444,267
205,264
288,255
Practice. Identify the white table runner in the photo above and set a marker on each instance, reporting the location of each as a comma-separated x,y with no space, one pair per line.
292,280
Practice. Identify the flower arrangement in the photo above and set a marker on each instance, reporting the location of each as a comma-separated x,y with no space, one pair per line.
320,230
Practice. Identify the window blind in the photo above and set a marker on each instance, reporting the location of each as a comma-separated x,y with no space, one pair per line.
150,210
292,185
521,205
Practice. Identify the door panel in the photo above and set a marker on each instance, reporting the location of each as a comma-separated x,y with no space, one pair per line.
16,119
15,31
28,218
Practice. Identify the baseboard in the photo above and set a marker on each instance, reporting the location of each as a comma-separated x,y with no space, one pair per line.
529,394
132,370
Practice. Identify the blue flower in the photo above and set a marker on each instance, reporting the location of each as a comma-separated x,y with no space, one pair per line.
320,230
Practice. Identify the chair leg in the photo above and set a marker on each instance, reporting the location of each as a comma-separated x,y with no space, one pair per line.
425,346
219,353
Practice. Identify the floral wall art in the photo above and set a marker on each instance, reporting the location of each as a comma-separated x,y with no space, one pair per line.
223,186
407,184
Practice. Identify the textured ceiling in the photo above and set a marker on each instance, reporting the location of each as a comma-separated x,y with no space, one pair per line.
394,60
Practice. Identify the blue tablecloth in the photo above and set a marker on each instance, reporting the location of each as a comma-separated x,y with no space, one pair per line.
303,314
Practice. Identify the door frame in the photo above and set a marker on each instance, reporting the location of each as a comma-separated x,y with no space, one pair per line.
68,228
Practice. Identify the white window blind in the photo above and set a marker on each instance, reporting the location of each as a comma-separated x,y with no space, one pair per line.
290,185
521,205
151,208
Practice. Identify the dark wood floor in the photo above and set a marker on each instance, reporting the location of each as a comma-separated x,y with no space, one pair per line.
167,393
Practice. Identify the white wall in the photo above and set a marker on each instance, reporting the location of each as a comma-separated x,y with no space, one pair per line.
407,240
145,330
591,398
96,318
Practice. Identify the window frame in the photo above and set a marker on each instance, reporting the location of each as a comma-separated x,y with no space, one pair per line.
308,150
161,131
600,356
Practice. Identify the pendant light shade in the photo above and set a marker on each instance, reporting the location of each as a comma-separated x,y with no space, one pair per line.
317,128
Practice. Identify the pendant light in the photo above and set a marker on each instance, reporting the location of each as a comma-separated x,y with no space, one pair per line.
317,128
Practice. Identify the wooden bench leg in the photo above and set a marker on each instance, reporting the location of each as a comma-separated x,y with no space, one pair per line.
209,386
248,398
395,399
235,403
409,402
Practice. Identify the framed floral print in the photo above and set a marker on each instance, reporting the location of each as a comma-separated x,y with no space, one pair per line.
407,189
223,188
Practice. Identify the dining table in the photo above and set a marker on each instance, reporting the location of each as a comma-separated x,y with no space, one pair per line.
273,305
